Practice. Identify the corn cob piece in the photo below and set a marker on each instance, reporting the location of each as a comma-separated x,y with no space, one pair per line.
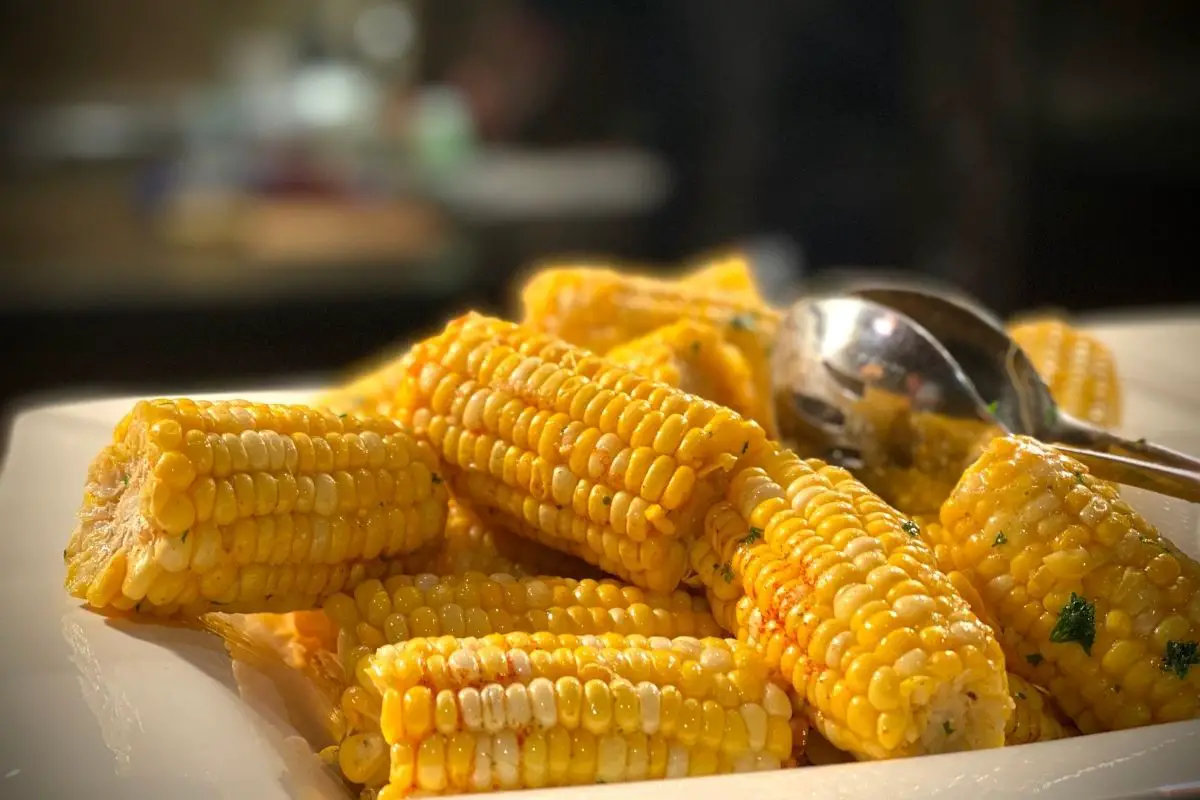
697,358
470,545
1079,369
520,711
405,607
844,597
248,507
560,445
1034,719
1090,601
475,605
600,309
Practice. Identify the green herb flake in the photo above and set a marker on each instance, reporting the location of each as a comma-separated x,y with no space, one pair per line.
726,572
753,536
993,407
742,322
341,416
183,538
1019,695
745,447
65,556
607,501
947,727
1079,479
1076,623
436,478
125,480
1179,657
1000,539
911,528
1034,658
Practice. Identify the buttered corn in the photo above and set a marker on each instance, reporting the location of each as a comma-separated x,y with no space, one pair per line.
559,445
249,507
844,598
522,711
1078,368
697,358
1090,602
1034,718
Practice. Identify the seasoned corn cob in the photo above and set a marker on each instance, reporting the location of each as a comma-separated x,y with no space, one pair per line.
475,605
599,309
1090,601
697,358
249,507
470,545
1080,370
843,596
1034,717
405,607
560,445
517,711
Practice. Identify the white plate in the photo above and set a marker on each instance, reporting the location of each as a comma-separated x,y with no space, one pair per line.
93,709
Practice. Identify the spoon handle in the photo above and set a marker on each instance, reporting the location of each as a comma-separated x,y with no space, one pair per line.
1163,479
1072,431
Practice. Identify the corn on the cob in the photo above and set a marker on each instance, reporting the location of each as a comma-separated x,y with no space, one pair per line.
474,605
1034,719
1090,601
566,447
697,358
520,711
1079,369
249,507
599,309
844,597
470,545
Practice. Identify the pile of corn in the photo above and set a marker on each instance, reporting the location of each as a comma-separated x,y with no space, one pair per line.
570,550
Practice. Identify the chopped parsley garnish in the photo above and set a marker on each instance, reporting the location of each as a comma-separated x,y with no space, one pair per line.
1000,539
1079,478
726,572
947,727
125,479
437,478
753,536
1034,658
745,447
1076,623
993,406
341,416
1179,657
1019,695
607,501
911,528
183,538
742,322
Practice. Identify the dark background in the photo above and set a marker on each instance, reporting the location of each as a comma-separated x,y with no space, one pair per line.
191,196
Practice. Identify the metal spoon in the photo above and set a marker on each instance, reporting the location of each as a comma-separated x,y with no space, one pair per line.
842,362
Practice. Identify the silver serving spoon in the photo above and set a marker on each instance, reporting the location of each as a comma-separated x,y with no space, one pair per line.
840,363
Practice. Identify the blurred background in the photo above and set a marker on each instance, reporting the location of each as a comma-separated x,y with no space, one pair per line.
203,194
